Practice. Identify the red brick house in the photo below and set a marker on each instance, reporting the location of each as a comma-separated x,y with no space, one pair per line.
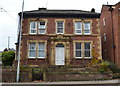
110,32
59,37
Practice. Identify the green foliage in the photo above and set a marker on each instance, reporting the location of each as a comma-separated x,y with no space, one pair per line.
104,67
95,61
37,70
113,67
0,56
94,56
116,76
8,58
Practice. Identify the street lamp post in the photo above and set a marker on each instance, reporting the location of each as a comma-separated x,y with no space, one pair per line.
19,44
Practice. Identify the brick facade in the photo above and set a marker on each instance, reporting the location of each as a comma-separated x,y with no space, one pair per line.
68,39
110,16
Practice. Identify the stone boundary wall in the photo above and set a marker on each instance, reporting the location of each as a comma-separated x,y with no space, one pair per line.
52,74
9,75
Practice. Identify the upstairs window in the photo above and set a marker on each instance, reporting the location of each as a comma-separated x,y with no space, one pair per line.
60,27
38,27
78,27
33,27
82,27
32,50
86,28
41,50
42,26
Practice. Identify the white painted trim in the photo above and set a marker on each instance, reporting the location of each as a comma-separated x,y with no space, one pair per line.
63,59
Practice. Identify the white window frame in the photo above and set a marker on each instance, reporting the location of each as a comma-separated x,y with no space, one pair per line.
87,28
59,27
42,49
39,28
78,50
78,29
87,50
32,49
105,37
104,21
33,28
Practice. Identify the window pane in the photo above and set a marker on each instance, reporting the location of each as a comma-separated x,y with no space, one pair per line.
87,53
60,30
32,53
86,31
60,27
33,31
78,45
42,27
32,50
41,49
87,27
41,53
87,49
78,25
87,45
32,46
60,24
78,50
105,37
41,46
33,27
78,31
78,54
41,31
42,23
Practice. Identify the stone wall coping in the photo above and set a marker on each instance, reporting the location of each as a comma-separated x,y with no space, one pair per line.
117,81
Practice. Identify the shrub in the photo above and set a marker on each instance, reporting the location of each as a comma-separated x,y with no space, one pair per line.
8,58
104,67
0,57
113,67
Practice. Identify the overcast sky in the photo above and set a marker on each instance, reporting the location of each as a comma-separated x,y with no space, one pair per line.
9,16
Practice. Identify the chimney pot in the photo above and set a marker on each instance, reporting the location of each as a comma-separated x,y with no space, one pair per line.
92,10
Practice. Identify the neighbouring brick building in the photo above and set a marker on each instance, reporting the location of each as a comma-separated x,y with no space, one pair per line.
60,37
110,32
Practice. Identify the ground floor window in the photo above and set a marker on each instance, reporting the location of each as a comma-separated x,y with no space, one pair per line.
82,50
78,50
87,50
32,50
36,50
41,50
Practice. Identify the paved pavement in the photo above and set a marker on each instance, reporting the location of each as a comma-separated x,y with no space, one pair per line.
68,83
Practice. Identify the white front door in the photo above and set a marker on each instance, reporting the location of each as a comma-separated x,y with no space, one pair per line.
60,56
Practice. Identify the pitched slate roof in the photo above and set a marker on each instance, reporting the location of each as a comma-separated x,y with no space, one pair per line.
43,12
